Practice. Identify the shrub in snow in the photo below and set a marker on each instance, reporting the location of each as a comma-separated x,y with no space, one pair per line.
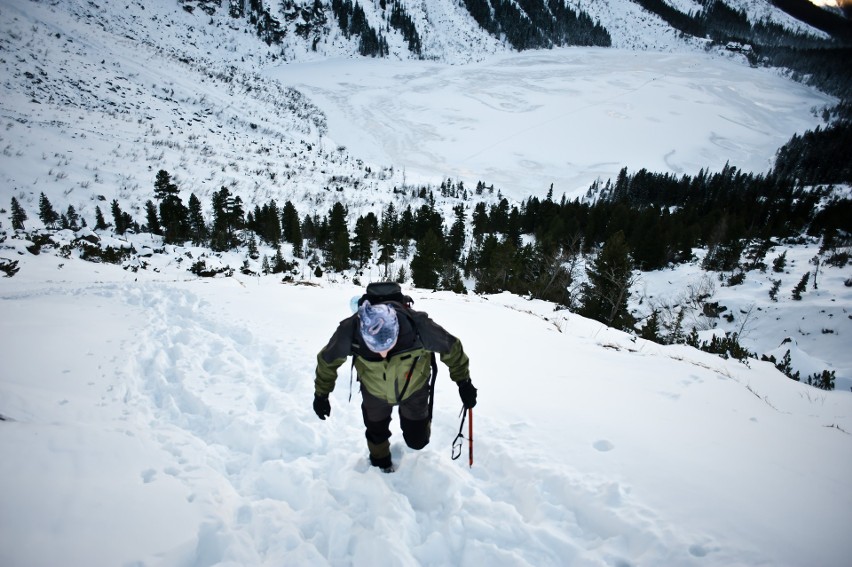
9,267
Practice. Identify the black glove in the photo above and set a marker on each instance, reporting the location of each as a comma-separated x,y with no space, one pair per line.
322,406
467,393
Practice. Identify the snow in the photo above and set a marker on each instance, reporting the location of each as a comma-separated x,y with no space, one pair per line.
150,417
157,419
566,116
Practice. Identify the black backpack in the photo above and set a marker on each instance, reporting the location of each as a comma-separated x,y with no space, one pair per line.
384,292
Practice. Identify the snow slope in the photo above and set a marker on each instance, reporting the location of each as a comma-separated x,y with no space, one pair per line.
152,419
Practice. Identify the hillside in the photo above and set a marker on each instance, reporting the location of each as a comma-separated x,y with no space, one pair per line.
97,100
155,399
157,419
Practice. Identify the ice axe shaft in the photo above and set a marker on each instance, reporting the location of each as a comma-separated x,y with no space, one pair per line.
470,435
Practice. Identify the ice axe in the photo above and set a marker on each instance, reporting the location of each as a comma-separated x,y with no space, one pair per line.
459,440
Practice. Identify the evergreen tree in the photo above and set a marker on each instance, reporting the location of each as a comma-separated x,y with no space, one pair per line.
366,229
451,279
480,221
456,237
152,219
100,222
198,231
174,217
609,279
228,218
404,228
163,186
426,263
253,252
651,330
337,244
46,212
390,232
497,266
291,228
18,215
801,286
72,218
123,221
279,264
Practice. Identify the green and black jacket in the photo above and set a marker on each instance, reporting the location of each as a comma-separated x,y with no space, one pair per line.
408,366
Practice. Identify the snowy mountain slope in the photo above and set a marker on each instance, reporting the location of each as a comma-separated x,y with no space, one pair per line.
156,418
96,99
171,425
91,116
764,11
450,34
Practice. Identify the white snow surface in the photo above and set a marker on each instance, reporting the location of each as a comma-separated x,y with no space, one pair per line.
566,117
151,419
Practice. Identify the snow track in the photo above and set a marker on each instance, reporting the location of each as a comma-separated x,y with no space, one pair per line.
170,424
233,411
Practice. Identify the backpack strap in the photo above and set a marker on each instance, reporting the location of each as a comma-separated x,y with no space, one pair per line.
432,384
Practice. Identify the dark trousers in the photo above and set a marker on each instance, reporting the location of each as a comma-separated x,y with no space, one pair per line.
413,419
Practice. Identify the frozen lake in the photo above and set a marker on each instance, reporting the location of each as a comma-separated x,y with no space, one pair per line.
566,117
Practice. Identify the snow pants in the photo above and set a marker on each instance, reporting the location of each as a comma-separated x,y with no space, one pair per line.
413,419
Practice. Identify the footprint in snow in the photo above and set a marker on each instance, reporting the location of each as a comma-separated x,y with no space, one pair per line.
603,446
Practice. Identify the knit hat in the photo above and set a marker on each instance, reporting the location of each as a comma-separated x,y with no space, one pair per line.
379,326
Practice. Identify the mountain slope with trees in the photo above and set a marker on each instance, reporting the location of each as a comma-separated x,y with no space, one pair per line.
187,149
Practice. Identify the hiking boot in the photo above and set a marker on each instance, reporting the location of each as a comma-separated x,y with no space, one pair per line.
384,463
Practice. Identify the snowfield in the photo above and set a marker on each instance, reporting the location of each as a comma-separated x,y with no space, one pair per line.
565,117
154,419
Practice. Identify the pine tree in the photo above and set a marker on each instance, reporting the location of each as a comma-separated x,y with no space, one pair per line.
456,237
426,263
366,228
72,218
198,231
291,228
801,286
337,244
228,218
174,217
152,219
610,277
46,212
18,215
163,186
651,330
100,222
253,252
118,218
451,279
480,221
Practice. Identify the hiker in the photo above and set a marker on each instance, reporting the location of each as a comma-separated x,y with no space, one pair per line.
393,349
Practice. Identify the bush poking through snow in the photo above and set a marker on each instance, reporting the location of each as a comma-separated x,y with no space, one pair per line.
9,267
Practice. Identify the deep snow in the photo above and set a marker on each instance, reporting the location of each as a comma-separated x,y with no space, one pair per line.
155,419
151,418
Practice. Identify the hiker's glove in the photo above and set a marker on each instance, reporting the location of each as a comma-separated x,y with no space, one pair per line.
323,407
467,393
